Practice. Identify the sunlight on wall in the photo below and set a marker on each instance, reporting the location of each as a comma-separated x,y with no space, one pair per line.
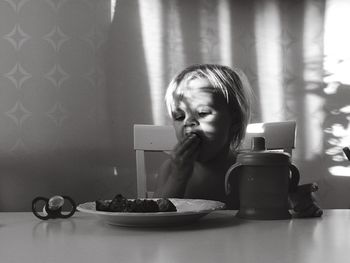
267,30
255,128
337,42
112,5
224,25
313,74
208,33
337,66
176,56
152,36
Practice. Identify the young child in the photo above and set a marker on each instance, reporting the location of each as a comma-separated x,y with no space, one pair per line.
210,108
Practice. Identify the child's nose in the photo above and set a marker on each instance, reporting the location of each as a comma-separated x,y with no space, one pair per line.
191,121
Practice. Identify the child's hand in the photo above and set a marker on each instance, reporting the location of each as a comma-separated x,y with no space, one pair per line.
303,201
183,157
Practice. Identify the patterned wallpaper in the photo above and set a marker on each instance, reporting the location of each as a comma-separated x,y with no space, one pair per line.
49,70
54,126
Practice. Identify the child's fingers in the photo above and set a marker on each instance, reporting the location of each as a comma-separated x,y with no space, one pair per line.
191,151
179,145
186,144
185,149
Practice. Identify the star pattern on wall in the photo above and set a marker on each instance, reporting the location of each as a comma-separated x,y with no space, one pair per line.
17,37
95,38
18,75
56,38
56,4
19,148
17,4
57,75
57,113
95,76
18,113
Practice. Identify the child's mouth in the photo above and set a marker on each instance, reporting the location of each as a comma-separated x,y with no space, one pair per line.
189,133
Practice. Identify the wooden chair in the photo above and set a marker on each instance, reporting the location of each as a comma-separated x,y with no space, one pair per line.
154,138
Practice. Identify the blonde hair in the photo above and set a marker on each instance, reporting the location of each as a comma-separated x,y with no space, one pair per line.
231,83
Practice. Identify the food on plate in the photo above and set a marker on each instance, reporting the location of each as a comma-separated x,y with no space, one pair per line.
165,205
122,204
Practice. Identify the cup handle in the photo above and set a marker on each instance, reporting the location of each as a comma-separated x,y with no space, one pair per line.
294,179
227,177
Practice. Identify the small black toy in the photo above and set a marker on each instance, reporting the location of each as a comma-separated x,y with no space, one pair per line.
53,207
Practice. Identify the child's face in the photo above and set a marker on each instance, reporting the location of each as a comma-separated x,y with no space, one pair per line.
205,112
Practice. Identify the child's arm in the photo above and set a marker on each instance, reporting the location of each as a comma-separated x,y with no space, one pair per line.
166,185
174,173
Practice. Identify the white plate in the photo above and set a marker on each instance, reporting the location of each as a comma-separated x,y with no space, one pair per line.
188,210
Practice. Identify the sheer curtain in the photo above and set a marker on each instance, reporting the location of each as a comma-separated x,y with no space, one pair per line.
294,53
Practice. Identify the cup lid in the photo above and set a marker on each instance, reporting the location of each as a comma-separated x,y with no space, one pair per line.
260,156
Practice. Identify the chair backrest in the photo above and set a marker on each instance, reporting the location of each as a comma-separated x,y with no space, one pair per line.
155,138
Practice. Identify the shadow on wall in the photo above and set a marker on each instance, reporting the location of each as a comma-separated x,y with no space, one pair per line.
128,91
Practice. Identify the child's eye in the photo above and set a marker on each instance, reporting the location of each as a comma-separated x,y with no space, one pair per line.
203,113
178,116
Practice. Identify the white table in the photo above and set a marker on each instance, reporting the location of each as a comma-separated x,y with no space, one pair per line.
218,237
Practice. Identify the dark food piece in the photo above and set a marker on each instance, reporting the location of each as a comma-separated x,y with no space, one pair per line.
102,205
118,204
145,206
165,205
121,204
